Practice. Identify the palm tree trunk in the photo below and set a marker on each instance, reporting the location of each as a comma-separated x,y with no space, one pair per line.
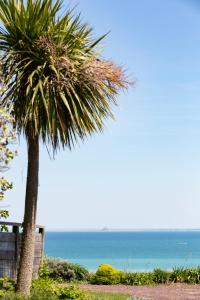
28,240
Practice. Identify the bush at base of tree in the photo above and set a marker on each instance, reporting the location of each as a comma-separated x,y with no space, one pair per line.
47,289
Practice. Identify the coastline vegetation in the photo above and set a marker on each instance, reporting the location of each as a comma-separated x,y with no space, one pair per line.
63,271
60,279
104,275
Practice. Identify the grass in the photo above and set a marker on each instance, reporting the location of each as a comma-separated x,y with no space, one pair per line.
112,296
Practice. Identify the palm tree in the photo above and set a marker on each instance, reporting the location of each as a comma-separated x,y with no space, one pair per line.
60,88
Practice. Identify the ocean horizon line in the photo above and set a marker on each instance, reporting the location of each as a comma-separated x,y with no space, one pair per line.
120,229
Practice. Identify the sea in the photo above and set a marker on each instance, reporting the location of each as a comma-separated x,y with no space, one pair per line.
129,251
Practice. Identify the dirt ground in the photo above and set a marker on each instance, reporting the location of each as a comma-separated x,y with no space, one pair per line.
158,292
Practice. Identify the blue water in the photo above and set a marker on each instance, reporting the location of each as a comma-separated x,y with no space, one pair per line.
142,250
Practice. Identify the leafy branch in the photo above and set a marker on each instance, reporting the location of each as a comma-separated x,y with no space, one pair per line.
7,137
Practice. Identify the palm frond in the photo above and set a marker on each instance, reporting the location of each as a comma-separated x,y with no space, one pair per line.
59,87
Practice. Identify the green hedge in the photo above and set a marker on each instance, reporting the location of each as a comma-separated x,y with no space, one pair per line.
106,274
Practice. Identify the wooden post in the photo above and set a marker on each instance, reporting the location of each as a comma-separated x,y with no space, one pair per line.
15,230
41,231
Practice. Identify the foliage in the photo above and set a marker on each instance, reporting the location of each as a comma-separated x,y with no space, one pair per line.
35,295
6,284
160,276
178,275
43,289
191,276
43,295
113,296
137,278
60,87
45,284
61,269
157,276
44,270
57,269
106,274
7,136
48,289
51,286
73,293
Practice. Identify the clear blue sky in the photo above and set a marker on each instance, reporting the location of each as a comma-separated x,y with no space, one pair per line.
144,170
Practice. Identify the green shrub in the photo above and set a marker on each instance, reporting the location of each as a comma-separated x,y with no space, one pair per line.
61,269
6,284
72,293
44,271
43,294
47,285
106,274
13,296
191,276
178,275
50,288
160,276
39,291
137,278
37,295
113,296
